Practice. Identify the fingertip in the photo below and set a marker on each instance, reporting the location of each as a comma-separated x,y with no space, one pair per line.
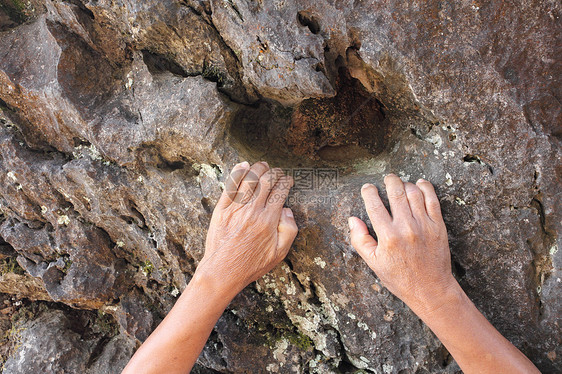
357,225
288,212
422,181
244,165
366,186
287,223
351,223
291,180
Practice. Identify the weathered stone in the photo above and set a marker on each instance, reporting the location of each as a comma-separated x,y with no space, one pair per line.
120,122
55,342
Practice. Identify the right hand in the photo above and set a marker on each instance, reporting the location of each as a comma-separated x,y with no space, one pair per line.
250,231
411,256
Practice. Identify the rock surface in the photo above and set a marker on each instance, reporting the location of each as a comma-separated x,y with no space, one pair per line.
121,120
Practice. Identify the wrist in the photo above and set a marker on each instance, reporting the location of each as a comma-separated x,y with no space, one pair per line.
213,284
443,298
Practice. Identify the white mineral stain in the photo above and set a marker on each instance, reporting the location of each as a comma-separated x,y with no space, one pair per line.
279,351
363,326
272,368
405,177
448,179
318,261
63,220
129,82
291,289
387,368
94,153
11,175
436,140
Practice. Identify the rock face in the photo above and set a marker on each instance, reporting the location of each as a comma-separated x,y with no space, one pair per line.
120,121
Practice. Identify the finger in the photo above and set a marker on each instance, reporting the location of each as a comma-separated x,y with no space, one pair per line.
432,205
286,232
250,182
279,192
232,182
380,219
397,199
267,182
362,241
415,200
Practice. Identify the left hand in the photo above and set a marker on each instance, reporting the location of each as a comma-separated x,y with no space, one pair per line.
250,231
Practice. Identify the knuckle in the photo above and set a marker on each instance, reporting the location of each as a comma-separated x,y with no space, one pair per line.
373,206
408,231
267,178
391,239
396,194
433,203
413,191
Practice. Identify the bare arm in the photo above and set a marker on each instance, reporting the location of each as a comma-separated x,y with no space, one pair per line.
413,261
250,232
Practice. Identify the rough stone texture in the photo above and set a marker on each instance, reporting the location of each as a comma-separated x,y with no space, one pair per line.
120,121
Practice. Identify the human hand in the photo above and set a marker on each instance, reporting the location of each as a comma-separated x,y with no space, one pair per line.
411,257
250,231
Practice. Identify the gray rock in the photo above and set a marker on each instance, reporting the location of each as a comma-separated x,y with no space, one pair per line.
120,122
56,342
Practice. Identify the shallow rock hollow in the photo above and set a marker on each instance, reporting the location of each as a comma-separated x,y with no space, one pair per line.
121,120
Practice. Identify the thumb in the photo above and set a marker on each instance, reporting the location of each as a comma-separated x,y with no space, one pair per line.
286,231
362,241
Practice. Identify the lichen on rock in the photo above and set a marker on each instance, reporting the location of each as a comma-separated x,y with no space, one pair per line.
119,122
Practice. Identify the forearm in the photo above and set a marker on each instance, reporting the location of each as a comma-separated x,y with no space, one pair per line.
474,343
177,342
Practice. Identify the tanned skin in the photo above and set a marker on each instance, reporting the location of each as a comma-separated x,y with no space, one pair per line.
251,232
412,259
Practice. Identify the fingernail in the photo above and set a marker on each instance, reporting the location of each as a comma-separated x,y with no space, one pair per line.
365,185
420,180
351,223
289,212
265,162
244,164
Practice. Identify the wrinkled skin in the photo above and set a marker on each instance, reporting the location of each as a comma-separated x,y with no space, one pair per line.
250,231
412,259
412,256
